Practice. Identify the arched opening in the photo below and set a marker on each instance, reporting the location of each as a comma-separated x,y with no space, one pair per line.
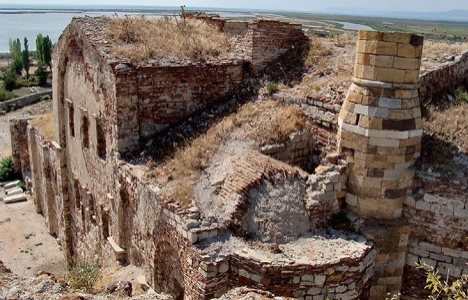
168,275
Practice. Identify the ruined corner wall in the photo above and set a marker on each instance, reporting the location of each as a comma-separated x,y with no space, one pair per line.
272,38
50,187
445,78
151,98
19,147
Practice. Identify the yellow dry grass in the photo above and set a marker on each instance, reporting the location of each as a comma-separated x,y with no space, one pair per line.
45,125
140,38
276,121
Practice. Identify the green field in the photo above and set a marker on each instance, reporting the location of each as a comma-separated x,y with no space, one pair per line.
438,30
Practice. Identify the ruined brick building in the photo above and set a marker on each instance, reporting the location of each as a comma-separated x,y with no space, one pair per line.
100,206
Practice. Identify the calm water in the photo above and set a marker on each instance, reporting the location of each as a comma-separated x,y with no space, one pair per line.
20,22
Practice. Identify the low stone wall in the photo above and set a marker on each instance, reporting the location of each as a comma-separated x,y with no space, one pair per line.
445,78
19,102
295,152
438,238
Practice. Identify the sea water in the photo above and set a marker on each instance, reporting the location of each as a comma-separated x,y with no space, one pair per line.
20,22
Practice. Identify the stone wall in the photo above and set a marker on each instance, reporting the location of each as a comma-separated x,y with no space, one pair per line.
23,101
438,238
445,78
19,146
297,151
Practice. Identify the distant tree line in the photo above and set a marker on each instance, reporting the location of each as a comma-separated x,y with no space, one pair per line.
22,61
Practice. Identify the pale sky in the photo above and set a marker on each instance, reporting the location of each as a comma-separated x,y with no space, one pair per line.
292,5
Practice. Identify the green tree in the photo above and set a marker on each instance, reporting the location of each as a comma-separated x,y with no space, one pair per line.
41,74
7,171
47,50
25,58
9,79
39,48
15,50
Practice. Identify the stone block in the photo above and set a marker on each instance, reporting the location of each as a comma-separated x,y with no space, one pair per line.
430,247
319,280
384,142
14,191
390,75
406,63
449,269
314,291
447,210
440,257
402,38
393,103
411,76
423,205
409,51
370,35
430,198
452,252
244,273
456,204
375,112
308,277
412,260
351,199
382,61
11,184
365,72
15,198
463,213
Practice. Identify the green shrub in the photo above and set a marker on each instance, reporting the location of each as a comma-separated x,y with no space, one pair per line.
84,275
271,88
7,171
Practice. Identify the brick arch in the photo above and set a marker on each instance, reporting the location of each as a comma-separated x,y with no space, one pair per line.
168,273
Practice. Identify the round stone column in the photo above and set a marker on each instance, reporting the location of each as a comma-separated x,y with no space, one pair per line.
380,125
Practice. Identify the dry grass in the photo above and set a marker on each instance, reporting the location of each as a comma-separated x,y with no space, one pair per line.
287,120
45,125
436,52
140,38
275,120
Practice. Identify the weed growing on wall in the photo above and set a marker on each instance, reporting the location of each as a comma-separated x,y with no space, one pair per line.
140,38
84,275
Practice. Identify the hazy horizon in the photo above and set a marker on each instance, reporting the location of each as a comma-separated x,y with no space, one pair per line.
270,5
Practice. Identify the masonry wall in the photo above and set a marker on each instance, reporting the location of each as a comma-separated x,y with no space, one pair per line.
19,146
272,38
23,101
438,238
445,78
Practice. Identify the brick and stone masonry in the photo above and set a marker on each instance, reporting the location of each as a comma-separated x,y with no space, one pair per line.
380,131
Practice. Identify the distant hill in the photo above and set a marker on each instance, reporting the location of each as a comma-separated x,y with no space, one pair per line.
449,15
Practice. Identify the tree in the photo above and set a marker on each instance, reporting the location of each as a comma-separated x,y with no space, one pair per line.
41,74
25,58
39,48
15,50
9,79
47,48
44,49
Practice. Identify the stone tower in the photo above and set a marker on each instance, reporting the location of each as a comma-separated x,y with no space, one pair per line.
380,131
380,125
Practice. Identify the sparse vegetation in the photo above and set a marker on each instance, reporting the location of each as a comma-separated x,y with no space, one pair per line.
276,120
84,275
140,38
45,124
271,88
445,289
7,171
